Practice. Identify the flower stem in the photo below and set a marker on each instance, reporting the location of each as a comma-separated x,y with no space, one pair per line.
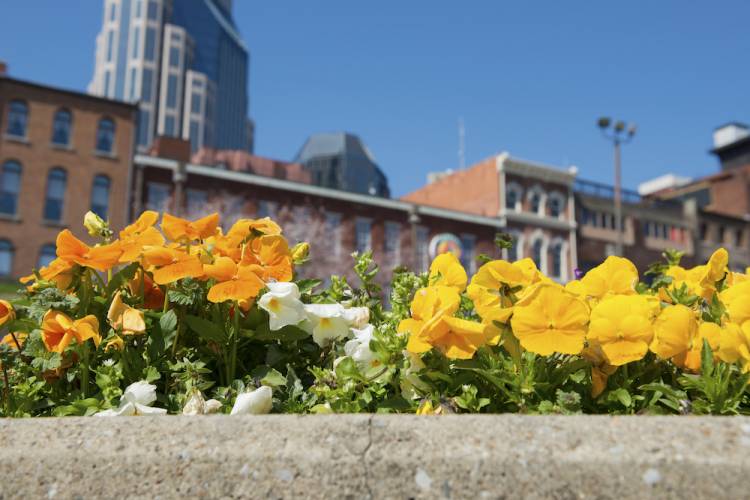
85,369
234,341
166,299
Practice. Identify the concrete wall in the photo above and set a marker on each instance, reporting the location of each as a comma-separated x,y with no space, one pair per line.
374,456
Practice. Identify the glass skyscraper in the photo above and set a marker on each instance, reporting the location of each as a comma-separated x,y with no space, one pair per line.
185,64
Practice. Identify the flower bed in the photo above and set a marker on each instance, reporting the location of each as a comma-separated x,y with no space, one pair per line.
191,319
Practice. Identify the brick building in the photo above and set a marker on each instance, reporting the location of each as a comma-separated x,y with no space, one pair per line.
62,153
532,202
335,222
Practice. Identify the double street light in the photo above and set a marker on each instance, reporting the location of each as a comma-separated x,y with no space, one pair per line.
619,133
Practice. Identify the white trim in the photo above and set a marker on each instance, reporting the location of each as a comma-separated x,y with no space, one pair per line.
536,170
531,219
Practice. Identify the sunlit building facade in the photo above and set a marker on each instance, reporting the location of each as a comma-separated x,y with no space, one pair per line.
184,63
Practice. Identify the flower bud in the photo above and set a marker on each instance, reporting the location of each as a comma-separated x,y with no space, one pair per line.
94,224
300,252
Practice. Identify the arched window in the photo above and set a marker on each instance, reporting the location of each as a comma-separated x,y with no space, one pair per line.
18,117
556,252
61,126
513,194
57,180
6,258
515,252
556,204
105,135
46,255
537,199
536,252
100,196
10,186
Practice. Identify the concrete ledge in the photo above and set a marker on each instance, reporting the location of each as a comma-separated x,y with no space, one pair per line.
374,456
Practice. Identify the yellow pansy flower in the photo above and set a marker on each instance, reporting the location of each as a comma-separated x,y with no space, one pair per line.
489,289
675,330
734,344
446,270
550,320
616,275
691,359
622,326
736,299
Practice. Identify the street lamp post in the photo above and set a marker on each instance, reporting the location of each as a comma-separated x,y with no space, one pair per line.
619,134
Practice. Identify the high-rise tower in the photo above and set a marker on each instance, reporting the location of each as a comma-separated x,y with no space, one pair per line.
184,63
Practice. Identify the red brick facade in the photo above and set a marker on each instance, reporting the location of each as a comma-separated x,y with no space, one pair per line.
22,222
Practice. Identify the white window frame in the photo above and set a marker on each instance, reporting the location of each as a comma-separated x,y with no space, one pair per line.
537,189
392,228
538,235
518,189
357,222
556,195
334,233
563,258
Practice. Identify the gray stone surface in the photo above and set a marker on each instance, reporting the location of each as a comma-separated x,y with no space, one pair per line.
374,456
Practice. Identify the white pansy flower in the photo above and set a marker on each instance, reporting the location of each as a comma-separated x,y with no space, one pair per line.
197,404
257,402
326,322
359,348
283,305
357,317
135,401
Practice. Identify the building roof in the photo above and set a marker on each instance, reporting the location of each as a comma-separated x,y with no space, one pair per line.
242,161
74,93
333,144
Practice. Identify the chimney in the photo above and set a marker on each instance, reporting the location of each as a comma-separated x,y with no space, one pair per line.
732,145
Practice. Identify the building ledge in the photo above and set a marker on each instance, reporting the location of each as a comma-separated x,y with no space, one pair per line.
376,456
17,138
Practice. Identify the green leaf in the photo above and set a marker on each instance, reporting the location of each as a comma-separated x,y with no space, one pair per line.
707,358
205,329
268,376
168,322
289,333
623,396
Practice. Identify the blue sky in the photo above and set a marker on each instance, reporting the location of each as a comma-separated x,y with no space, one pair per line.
527,77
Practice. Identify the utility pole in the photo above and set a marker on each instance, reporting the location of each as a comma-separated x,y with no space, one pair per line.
619,134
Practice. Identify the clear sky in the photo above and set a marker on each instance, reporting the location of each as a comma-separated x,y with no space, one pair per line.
527,77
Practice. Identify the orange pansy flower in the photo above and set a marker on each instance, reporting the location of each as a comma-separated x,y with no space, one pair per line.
233,282
138,235
178,229
100,258
153,296
58,271
59,330
270,256
145,220
171,264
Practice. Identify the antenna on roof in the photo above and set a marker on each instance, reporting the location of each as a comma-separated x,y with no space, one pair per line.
461,143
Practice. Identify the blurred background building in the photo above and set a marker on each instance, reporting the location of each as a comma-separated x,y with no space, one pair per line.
185,65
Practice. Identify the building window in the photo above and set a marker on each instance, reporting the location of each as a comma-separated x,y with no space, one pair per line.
392,242
703,231
110,44
146,84
197,200
57,180
149,49
267,209
157,196
422,247
513,194
136,42
536,253
153,10
46,255
169,125
6,258
363,235
536,200
174,57
195,103
333,232
468,242
18,116
557,259
112,11
738,238
100,196
722,234
105,135
61,126
514,252
556,205
10,186
144,117
172,91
